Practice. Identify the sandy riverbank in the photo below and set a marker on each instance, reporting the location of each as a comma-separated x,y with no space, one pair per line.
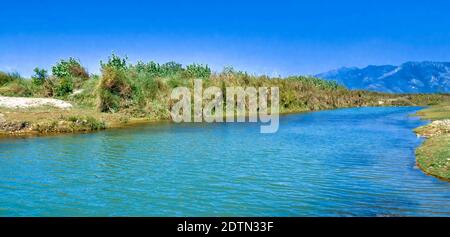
23,102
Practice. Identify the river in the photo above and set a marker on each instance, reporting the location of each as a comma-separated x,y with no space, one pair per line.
345,162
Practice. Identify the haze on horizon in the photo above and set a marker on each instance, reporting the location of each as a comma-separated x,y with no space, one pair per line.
268,37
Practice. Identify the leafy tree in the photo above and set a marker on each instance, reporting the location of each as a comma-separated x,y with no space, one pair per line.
171,68
39,77
69,68
116,62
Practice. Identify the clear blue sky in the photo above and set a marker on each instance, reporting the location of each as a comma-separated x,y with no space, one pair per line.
271,37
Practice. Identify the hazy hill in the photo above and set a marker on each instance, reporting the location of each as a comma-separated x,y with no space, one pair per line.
410,77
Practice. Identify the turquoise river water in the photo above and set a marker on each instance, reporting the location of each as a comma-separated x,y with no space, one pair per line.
346,162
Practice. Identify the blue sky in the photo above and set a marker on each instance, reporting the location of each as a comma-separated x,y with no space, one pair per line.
270,37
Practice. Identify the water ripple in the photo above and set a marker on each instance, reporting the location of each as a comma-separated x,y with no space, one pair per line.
349,162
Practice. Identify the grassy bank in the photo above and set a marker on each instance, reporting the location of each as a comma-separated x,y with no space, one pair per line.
128,93
433,156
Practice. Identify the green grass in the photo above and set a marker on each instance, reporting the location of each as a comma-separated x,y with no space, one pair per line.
433,156
8,77
436,112
46,119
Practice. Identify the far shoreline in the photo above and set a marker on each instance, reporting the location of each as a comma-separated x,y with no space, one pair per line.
138,122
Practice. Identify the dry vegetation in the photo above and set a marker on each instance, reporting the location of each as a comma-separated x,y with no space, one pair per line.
126,93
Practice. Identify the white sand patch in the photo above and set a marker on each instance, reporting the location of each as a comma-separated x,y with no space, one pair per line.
76,92
23,102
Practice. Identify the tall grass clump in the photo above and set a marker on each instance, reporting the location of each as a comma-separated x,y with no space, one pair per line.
17,88
12,84
9,77
114,89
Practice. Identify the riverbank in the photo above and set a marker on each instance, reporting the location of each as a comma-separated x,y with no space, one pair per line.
42,116
433,156
127,93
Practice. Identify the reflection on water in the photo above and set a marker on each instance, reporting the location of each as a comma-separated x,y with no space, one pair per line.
331,163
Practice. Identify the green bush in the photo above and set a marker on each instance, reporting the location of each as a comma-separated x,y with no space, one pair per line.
88,122
113,88
108,102
153,69
69,68
64,86
197,71
171,68
87,97
150,69
115,62
39,77
4,78
94,124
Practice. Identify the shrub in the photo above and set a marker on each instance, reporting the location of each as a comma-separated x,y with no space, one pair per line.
150,69
64,86
86,122
107,101
197,71
115,62
94,124
39,77
153,69
171,68
49,87
4,78
8,77
113,88
69,68
79,72
115,81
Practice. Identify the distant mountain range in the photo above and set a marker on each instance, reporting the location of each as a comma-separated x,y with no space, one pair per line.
410,77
